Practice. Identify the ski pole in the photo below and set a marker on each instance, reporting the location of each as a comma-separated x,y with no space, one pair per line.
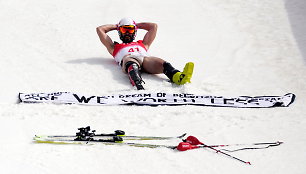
277,143
194,142
218,151
252,148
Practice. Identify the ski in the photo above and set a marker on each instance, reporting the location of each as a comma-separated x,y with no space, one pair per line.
87,132
114,141
182,146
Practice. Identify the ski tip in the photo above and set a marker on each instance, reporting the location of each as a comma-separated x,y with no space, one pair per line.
182,135
249,163
37,136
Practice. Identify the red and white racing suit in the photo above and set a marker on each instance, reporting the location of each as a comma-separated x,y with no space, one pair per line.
135,50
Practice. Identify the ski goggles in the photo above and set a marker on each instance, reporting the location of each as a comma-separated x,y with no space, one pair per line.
127,29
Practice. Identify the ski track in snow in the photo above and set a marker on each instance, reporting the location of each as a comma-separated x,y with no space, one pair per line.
238,47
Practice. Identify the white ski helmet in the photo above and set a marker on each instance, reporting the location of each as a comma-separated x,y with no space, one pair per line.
127,22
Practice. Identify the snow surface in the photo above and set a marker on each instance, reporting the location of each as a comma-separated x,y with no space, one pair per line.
239,47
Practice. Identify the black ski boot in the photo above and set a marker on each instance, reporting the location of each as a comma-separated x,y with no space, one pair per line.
134,75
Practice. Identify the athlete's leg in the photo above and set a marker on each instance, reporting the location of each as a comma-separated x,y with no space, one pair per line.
153,65
156,65
124,64
131,66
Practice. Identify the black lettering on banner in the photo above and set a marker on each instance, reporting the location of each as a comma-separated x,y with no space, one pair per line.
162,100
199,96
254,101
125,101
189,96
160,94
212,100
32,96
134,95
188,100
183,95
141,95
54,97
273,99
101,99
83,98
228,101
43,98
241,100
184,100
180,95
153,99
147,95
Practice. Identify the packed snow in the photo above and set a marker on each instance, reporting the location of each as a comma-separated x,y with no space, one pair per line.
239,47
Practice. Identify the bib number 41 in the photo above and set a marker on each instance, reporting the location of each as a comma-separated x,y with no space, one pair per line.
134,49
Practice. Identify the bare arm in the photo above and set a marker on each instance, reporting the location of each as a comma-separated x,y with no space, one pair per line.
104,38
150,35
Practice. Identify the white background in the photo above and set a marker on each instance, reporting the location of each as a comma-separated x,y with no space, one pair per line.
239,47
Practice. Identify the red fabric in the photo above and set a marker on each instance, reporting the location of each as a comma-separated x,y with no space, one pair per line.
118,47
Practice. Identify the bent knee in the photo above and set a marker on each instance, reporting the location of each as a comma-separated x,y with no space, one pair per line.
126,60
153,65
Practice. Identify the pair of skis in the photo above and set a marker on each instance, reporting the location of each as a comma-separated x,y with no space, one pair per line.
87,136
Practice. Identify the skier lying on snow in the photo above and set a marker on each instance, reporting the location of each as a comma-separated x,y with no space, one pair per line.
133,56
